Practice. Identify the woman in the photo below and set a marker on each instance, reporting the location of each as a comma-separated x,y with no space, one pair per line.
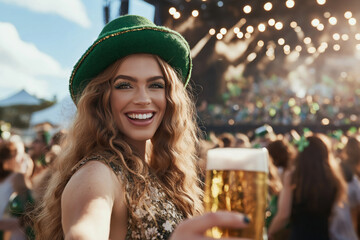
15,195
128,167
310,192
282,154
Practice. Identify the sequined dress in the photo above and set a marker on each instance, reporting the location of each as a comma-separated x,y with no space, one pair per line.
164,215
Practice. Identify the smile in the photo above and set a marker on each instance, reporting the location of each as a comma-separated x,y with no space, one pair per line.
140,116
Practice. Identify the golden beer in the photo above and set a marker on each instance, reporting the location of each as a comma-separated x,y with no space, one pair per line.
236,180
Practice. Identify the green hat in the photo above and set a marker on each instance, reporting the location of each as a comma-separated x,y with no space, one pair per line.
128,35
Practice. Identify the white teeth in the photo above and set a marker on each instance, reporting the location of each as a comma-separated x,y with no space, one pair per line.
140,116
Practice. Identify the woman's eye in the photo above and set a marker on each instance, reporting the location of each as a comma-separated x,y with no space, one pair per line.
157,85
122,85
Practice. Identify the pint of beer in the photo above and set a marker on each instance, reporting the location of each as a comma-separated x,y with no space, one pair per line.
236,180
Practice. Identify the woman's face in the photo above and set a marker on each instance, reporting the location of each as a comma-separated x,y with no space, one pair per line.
137,98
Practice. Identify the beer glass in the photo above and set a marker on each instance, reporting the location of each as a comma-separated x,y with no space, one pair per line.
236,180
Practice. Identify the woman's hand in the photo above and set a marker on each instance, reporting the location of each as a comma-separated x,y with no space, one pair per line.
194,228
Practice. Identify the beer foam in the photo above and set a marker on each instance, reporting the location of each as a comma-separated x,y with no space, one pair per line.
248,159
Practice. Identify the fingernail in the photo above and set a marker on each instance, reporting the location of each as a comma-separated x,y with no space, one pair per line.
246,219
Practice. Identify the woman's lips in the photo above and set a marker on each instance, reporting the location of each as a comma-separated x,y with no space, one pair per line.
140,119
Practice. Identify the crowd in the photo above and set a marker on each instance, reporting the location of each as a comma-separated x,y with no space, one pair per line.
24,174
276,101
313,180
314,188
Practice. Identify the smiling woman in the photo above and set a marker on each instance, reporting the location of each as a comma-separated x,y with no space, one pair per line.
128,169
137,98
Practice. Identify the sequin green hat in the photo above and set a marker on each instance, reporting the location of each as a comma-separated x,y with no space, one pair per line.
126,35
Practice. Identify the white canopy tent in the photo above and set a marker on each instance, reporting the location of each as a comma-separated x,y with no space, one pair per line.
20,98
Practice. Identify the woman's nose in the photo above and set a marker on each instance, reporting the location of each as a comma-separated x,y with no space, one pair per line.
142,97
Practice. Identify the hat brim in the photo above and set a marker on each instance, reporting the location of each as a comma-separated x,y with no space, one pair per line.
165,43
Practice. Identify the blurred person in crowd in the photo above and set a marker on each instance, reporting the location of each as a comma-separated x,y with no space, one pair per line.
343,225
282,154
310,191
12,181
15,223
58,137
242,140
128,169
37,151
350,157
41,181
263,135
275,186
227,140
26,163
351,154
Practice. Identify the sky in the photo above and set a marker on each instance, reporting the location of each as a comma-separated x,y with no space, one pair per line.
41,40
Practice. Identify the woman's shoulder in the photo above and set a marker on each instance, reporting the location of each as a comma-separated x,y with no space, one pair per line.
102,158
94,179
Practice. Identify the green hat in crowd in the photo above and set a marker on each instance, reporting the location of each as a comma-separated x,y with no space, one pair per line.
126,35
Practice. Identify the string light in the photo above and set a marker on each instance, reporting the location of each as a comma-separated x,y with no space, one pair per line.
240,35
333,20
271,22
348,14
172,10
261,27
250,29
297,29
281,41
287,49
307,40
290,3
311,50
315,22
352,21
321,49
345,37
324,45
247,9
279,25
268,6
223,31
293,24
195,13
336,36
320,27
177,15
251,57
260,43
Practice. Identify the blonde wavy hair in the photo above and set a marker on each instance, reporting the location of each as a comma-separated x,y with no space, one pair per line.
172,152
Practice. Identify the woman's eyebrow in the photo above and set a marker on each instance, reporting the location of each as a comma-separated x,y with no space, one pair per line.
154,78
124,77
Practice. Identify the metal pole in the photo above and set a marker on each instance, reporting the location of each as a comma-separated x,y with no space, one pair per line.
124,7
